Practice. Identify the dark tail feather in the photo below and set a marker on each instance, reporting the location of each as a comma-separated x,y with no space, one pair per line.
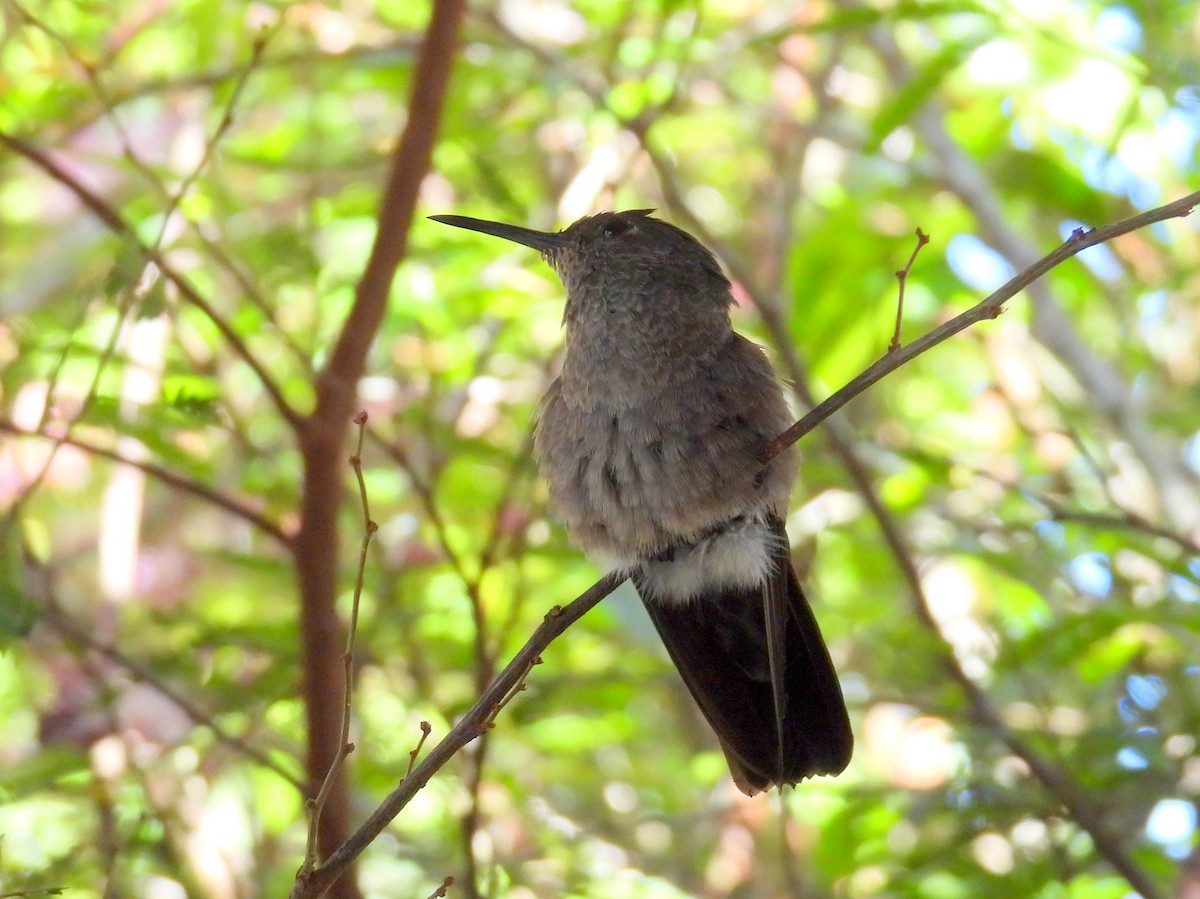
756,664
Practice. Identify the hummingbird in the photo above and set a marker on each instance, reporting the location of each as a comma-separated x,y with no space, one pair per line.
651,440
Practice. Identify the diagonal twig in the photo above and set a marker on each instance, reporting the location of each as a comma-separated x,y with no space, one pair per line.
115,222
234,505
987,308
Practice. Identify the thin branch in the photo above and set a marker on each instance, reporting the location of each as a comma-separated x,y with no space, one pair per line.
902,279
415,752
1053,778
114,221
1049,323
1074,798
991,307
470,726
1059,784
172,479
52,615
519,687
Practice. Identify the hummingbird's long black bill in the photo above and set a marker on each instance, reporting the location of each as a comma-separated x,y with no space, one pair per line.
755,662
542,241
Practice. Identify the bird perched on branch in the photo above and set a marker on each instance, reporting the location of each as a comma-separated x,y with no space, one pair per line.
652,440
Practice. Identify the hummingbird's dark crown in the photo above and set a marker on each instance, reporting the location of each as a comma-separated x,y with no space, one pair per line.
631,237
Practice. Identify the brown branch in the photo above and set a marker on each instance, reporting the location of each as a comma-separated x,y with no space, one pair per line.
322,438
115,222
415,752
52,615
230,504
1074,798
519,687
1049,324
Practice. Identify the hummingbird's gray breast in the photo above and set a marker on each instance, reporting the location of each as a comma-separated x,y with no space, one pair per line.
636,470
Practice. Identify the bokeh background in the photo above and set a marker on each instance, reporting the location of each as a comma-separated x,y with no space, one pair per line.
1001,540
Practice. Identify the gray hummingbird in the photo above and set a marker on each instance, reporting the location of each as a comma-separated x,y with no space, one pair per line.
651,440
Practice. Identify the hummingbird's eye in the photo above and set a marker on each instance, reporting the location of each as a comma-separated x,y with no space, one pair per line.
613,227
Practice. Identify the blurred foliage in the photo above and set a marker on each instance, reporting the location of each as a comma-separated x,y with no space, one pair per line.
1042,467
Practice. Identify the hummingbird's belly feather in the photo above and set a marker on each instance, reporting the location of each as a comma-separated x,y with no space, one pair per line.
674,481
737,555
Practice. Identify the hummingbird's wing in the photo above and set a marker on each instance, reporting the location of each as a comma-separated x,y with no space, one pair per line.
756,664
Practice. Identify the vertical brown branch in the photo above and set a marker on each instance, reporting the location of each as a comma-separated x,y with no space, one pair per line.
322,438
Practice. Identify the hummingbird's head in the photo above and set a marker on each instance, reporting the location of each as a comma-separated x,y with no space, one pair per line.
621,258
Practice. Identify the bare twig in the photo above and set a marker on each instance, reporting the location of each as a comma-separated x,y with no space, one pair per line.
1052,777
370,528
413,753
1058,782
902,279
988,308
1049,324
519,687
234,505
52,615
115,222
443,889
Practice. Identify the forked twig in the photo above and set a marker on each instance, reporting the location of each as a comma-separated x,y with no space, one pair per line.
426,730
519,687
902,279
989,308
